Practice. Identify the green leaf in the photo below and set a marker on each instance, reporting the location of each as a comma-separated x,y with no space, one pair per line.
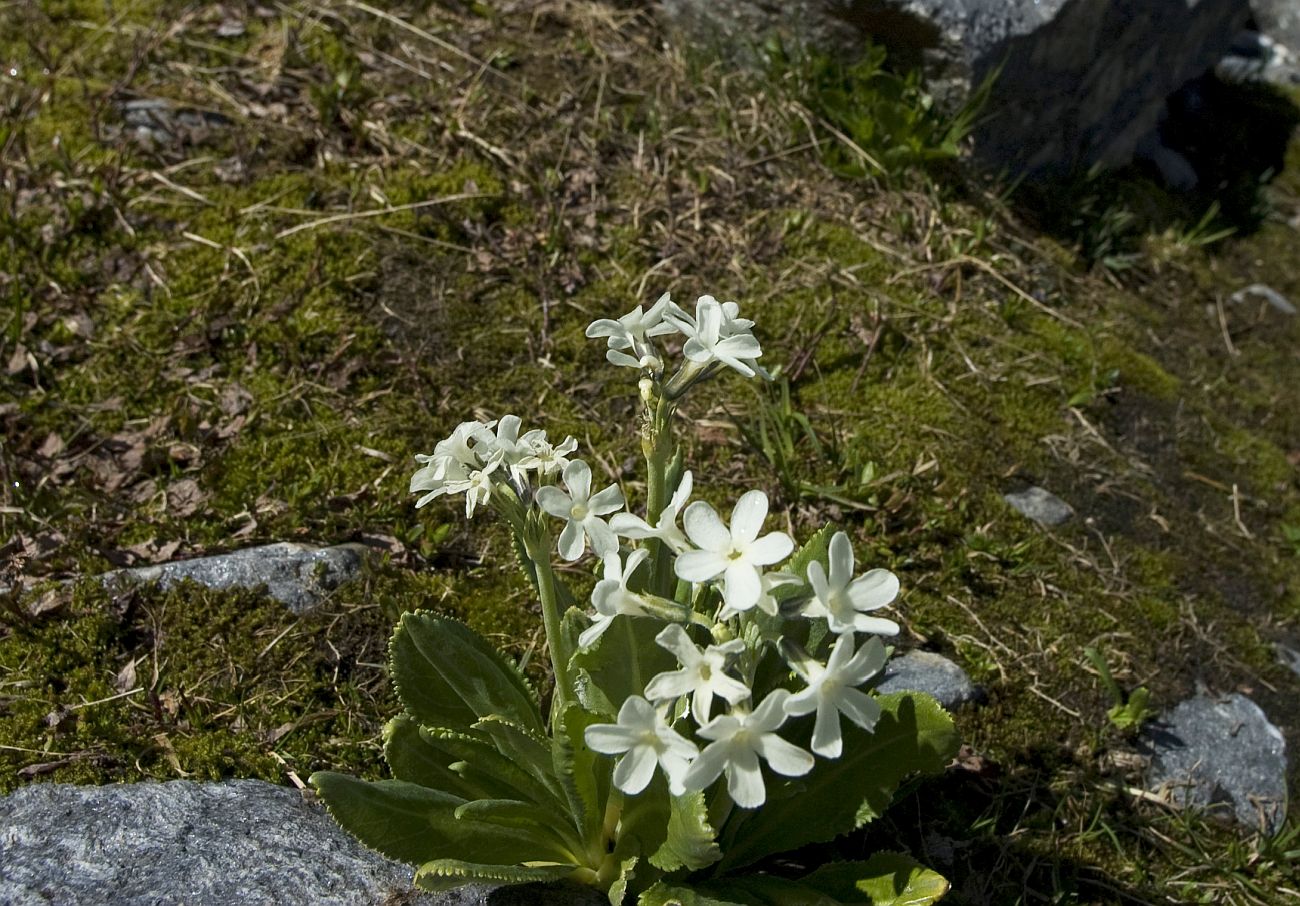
625,658
496,775
446,675
527,750
413,757
886,879
914,734
691,842
415,824
445,874
584,775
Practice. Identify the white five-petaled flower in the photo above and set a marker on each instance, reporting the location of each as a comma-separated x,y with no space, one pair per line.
716,334
582,510
739,740
737,555
832,691
632,526
843,600
702,676
633,332
611,596
644,740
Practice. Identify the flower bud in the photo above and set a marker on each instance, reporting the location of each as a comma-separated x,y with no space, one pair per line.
722,633
647,388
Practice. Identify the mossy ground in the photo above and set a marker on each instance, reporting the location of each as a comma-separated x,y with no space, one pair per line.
243,333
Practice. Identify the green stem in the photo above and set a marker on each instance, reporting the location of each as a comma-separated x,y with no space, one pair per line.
539,550
657,446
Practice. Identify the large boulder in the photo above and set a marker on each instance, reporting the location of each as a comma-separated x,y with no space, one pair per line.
209,844
1078,82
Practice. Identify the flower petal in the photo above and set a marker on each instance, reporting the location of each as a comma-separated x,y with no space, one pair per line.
706,769
877,625
670,685
785,758
603,539
629,525
743,586
859,707
771,548
705,529
841,560
577,478
826,739
635,769
606,501
745,780
609,739
554,501
747,518
874,588
699,566
572,540
674,638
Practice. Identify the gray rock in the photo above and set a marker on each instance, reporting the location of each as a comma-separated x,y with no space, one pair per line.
934,674
1276,300
181,842
157,122
1040,506
1288,657
207,844
1080,82
1278,22
1221,755
298,575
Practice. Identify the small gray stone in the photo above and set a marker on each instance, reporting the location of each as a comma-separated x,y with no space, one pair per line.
1040,506
298,575
933,674
1288,657
1275,299
1221,755
208,844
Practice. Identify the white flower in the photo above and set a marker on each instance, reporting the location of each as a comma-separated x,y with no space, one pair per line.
831,691
632,526
645,740
633,331
717,335
738,554
740,739
449,467
844,603
477,488
703,674
583,510
611,596
543,457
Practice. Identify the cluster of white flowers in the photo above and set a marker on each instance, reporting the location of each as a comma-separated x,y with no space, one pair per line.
733,563
716,334
474,460
733,559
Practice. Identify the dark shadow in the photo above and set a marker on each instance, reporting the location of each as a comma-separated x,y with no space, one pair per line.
1203,174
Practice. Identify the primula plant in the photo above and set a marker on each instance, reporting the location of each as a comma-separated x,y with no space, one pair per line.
712,706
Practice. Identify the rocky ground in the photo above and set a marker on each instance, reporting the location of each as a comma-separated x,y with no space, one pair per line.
255,258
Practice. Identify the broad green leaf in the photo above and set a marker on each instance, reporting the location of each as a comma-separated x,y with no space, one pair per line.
886,879
625,658
411,823
914,734
446,675
680,895
445,874
412,756
516,813
529,751
479,762
584,775
817,548
622,884
642,829
691,842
